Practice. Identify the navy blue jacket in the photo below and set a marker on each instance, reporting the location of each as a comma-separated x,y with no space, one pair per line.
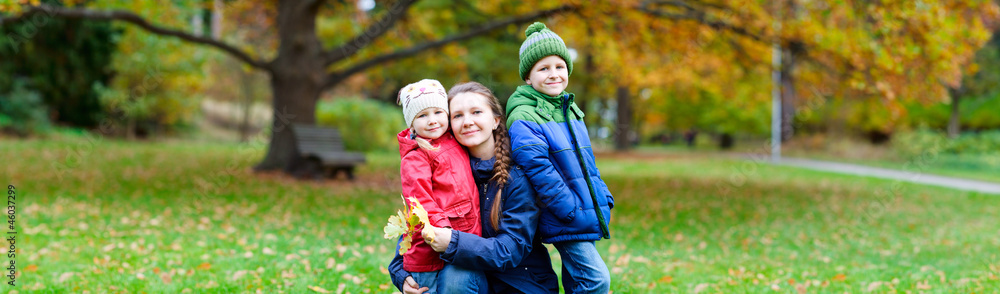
513,257
549,139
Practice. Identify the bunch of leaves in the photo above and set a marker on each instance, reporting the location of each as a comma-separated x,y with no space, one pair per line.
408,223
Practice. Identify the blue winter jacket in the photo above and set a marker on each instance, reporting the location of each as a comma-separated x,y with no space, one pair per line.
513,257
550,140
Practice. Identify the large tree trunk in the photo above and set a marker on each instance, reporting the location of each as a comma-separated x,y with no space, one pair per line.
294,103
296,82
954,122
623,129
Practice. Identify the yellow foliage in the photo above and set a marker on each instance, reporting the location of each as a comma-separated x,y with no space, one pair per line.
407,223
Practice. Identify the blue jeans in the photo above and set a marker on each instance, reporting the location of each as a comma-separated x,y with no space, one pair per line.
583,269
452,279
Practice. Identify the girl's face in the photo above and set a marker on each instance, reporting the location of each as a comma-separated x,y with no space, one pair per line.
473,121
431,123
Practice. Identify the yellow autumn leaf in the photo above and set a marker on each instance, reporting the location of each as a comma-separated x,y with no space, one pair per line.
405,244
319,290
395,227
406,222
406,206
418,210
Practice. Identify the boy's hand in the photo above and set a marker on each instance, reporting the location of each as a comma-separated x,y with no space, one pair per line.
442,236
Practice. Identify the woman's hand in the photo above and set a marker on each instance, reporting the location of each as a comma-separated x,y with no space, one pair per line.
442,236
411,287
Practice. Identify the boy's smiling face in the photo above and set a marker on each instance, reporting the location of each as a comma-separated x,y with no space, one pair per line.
549,75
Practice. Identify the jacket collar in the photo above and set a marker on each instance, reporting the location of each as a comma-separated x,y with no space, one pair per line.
406,144
482,170
545,105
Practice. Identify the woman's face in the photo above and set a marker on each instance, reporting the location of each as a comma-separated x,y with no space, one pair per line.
473,121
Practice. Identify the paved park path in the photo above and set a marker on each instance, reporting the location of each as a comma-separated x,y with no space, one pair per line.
920,178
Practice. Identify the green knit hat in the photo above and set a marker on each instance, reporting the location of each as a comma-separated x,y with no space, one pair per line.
541,42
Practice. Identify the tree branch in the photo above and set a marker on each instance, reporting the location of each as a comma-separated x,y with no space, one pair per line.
52,11
336,77
373,32
700,17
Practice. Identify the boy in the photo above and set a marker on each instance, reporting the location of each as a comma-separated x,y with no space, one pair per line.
550,141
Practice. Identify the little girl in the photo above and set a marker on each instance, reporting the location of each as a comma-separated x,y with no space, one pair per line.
435,170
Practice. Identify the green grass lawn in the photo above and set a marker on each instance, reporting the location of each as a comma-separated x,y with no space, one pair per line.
173,217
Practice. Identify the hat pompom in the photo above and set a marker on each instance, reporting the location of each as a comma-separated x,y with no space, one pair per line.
534,28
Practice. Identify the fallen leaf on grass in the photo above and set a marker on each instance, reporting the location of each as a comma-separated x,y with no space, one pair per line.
204,266
874,286
923,285
839,278
700,287
239,274
801,288
666,279
318,289
31,268
65,276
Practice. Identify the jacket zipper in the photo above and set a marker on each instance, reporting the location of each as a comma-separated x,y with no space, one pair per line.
583,167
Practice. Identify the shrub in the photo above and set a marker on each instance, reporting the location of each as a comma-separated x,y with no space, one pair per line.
365,124
23,112
916,143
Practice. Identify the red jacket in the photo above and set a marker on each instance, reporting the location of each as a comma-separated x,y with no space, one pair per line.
442,181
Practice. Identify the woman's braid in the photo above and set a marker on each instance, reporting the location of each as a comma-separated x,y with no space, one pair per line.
501,169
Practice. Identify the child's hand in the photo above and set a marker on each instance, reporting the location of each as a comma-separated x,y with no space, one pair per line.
411,287
441,238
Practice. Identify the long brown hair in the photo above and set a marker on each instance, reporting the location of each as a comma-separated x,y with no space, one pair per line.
501,142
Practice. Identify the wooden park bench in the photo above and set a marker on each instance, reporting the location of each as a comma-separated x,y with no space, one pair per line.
323,151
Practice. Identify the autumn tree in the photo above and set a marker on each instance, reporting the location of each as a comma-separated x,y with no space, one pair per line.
890,51
884,52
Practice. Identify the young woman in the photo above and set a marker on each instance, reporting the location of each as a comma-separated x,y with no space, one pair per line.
509,252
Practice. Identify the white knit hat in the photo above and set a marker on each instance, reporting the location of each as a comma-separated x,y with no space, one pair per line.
418,96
